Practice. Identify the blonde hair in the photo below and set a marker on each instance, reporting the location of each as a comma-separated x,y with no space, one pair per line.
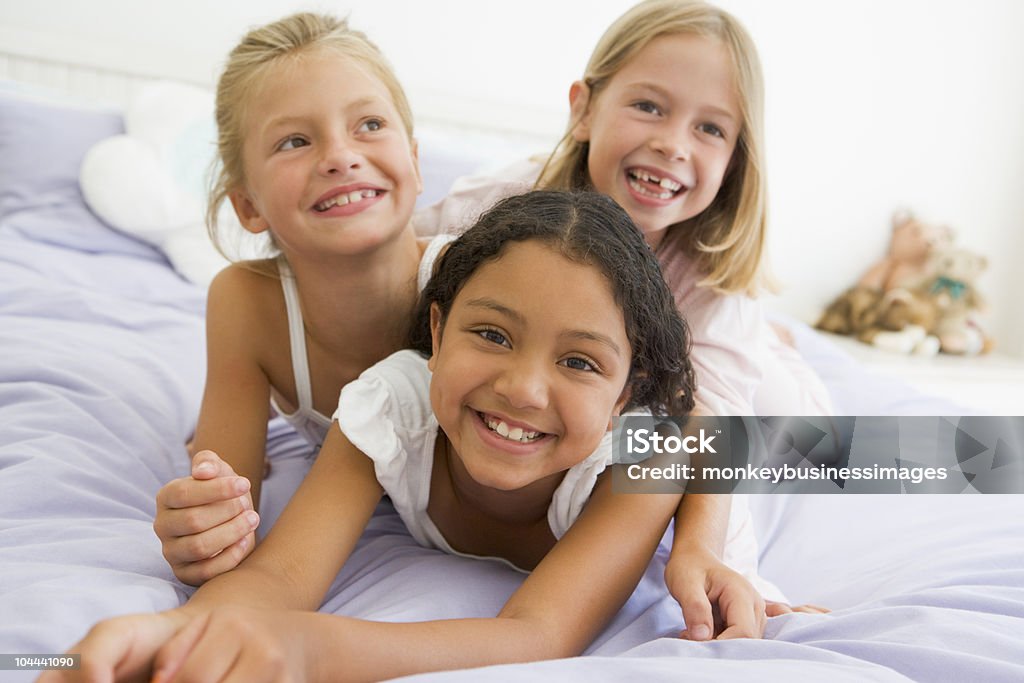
727,238
248,64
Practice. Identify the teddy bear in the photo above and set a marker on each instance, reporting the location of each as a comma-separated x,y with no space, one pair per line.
951,291
907,261
882,309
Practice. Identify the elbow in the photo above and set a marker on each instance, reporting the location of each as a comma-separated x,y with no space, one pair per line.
536,639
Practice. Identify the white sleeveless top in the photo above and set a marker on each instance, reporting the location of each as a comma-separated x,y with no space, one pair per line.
386,414
310,424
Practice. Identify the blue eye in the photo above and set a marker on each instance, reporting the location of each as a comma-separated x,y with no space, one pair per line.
579,364
494,336
293,142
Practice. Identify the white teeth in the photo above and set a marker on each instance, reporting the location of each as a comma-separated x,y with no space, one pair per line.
511,433
665,183
647,193
346,198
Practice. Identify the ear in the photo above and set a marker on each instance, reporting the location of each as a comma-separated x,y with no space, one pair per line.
248,215
620,404
579,110
436,328
415,151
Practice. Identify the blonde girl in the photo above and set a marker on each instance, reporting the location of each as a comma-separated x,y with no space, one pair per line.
544,321
668,121
317,154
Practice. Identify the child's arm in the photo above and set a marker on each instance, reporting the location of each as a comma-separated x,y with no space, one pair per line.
206,522
291,570
557,612
701,582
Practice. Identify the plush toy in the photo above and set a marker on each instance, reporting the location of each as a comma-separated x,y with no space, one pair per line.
952,293
907,261
151,181
883,309
903,322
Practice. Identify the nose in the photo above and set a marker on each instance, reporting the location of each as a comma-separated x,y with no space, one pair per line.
672,143
523,383
338,156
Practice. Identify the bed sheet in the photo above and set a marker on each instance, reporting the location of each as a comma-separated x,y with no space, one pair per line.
101,373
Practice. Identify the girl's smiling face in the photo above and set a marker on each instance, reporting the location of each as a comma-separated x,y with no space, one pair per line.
529,367
662,130
329,166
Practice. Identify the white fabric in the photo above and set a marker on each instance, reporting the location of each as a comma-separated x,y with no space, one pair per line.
742,366
386,413
310,424
430,254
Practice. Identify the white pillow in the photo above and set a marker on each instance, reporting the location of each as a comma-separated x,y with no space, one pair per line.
151,182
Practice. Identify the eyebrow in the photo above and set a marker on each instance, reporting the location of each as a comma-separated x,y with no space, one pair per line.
491,304
290,120
643,85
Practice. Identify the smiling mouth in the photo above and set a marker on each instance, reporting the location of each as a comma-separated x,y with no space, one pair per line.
346,198
502,429
650,185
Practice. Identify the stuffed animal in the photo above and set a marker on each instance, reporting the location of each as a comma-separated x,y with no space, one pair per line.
951,291
882,308
906,262
151,181
903,322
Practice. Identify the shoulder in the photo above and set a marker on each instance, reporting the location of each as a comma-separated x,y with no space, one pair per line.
387,408
472,195
245,301
395,390
239,281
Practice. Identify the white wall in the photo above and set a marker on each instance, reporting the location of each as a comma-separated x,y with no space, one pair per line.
872,105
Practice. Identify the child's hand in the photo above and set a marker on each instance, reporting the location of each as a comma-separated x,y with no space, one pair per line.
238,644
206,522
717,602
775,609
120,649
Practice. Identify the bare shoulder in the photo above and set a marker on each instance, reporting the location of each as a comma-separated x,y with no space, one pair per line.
246,298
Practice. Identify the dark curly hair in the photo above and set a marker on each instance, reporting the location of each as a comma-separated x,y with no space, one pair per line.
589,228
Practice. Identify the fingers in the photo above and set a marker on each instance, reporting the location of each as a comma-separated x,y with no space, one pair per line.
696,613
191,492
810,609
120,649
207,465
172,656
775,609
171,523
743,613
230,645
198,558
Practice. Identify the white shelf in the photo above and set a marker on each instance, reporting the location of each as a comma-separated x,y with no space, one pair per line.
993,383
